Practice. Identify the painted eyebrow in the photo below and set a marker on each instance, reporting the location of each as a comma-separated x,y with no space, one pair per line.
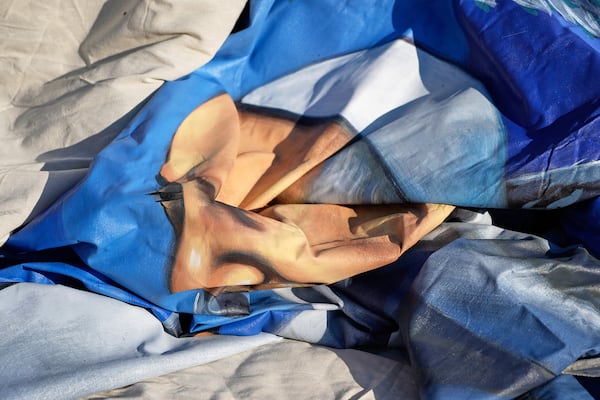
246,220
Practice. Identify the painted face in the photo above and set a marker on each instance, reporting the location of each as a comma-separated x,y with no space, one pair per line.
231,166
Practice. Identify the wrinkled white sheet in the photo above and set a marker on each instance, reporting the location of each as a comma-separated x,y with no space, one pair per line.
72,72
62,343
284,370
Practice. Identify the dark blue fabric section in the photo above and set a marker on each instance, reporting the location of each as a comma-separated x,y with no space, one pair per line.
537,71
433,26
539,74
535,151
559,388
591,384
582,224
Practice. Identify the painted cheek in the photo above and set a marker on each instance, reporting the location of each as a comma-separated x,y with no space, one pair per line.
235,275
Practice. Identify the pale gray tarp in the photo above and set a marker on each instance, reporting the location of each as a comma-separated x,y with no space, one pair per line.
63,343
71,74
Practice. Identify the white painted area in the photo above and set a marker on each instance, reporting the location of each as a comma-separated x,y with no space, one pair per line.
360,86
336,301
195,260
580,12
288,294
309,326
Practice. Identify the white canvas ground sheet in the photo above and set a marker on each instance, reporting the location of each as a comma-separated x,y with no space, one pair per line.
63,343
283,370
72,72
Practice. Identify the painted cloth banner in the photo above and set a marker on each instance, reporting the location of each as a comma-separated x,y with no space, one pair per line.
327,143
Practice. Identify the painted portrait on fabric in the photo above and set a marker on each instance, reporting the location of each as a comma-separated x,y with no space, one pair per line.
235,183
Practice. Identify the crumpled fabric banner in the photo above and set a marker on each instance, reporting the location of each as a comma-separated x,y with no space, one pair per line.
325,141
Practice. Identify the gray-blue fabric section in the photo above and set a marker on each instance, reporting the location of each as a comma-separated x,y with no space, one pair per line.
444,149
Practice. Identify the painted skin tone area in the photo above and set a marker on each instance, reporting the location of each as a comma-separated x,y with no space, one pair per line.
232,164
